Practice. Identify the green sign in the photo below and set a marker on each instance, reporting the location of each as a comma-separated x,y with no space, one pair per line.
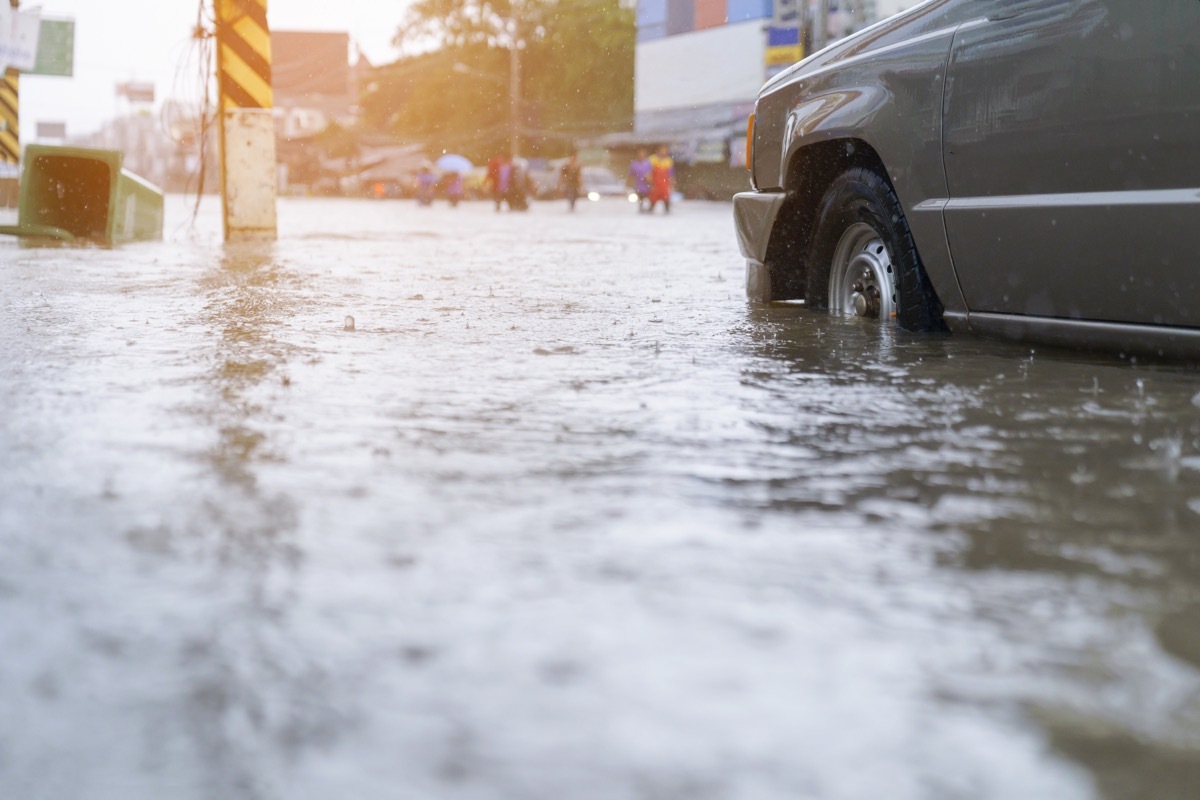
56,48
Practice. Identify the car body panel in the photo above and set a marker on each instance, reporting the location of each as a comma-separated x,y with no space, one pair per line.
884,90
603,182
1073,161
908,32
1125,339
754,217
892,102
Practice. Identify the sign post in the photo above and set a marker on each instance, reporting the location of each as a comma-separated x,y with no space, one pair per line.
10,128
55,48
35,46
16,52
784,45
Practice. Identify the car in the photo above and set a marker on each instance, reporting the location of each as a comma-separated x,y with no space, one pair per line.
543,174
601,182
1023,169
597,182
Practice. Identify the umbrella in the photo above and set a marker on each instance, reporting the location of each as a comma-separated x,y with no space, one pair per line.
452,162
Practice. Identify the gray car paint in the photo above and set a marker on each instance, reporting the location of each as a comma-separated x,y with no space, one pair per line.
1032,212
1073,161
882,87
754,214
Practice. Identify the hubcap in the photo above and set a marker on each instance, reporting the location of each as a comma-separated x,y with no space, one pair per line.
862,281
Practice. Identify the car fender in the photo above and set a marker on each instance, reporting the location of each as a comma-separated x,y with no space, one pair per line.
888,100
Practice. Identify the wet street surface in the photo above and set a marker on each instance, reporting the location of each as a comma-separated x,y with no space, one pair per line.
558,515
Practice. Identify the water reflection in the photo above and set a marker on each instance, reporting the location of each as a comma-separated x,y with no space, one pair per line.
248,297
995,441
1080,473
252,689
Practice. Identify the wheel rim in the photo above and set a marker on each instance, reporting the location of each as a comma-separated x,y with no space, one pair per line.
862,282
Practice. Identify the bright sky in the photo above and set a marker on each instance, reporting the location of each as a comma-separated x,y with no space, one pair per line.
124,40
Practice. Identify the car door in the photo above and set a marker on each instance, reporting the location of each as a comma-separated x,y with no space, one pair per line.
1072,152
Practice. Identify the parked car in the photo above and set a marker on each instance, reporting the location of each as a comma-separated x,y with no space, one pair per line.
1028,169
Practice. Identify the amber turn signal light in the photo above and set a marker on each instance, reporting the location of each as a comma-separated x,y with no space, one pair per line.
750,142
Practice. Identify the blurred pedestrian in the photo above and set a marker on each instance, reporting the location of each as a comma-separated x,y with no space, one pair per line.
499,179
426,181
570,179
639,177
662,179
452,188
519,185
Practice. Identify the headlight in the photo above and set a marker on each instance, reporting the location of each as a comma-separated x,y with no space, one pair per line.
593,196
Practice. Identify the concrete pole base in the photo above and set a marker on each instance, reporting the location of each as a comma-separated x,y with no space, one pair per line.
248,174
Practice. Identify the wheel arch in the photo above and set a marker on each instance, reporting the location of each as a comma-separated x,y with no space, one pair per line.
808,174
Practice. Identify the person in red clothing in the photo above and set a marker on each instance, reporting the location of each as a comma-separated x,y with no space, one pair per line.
500,179
662,178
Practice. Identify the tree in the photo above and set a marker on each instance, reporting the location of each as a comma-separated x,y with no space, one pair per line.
337,142
580,69
576,59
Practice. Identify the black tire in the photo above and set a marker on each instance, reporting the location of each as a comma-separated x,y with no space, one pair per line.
862,259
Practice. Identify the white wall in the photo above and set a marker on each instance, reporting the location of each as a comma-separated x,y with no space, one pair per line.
719,65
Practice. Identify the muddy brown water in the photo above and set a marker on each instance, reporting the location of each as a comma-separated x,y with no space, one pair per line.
561,516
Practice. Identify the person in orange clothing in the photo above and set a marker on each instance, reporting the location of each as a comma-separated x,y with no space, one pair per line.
662,178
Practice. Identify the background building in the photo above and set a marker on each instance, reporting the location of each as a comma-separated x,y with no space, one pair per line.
700,63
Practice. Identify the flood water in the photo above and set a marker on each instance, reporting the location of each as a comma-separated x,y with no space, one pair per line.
558,515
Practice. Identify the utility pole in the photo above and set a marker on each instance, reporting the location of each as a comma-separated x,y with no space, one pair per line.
514,84
820,32
247,127
10,128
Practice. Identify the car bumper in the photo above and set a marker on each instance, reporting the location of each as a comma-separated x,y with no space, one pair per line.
754,216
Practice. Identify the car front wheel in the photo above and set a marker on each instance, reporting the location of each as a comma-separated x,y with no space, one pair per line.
863,262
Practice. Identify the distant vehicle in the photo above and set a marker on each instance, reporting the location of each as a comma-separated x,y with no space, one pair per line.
1028,169
598,182
601,182
544,175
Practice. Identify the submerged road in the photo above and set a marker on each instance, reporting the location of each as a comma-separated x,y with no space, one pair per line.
557,515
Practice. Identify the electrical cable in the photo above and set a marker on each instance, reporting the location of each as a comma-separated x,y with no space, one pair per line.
193,84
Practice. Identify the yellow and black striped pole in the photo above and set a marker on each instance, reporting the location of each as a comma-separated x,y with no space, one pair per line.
10,128
248,170
10,122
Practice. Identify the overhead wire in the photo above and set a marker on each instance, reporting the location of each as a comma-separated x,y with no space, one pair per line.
193,82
